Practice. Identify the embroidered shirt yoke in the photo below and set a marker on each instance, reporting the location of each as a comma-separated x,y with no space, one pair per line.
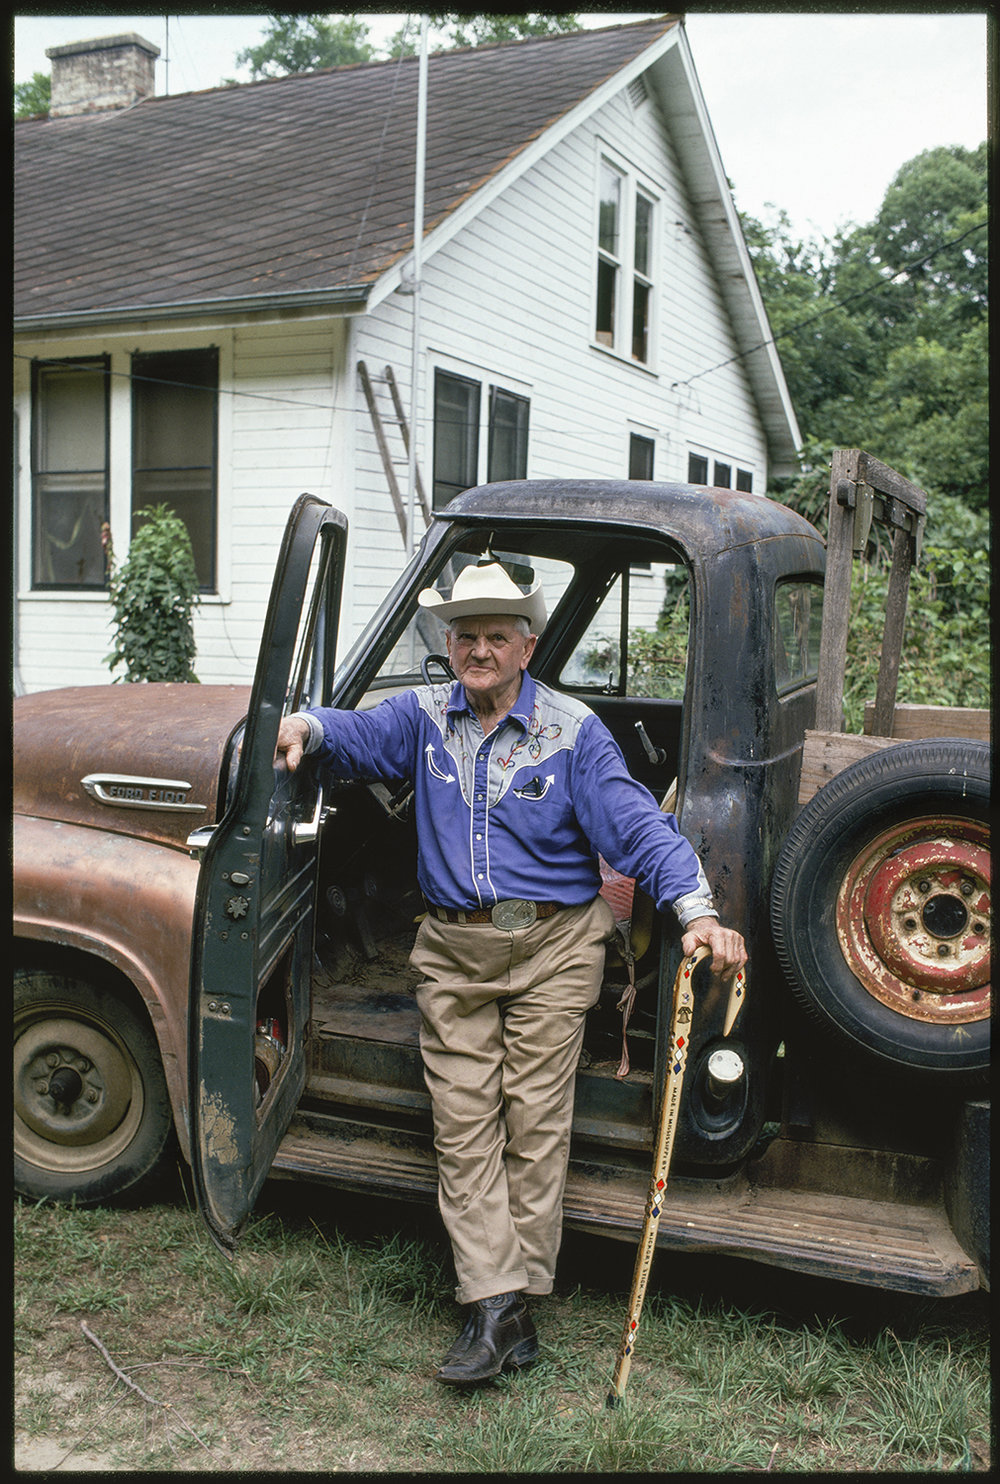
523,812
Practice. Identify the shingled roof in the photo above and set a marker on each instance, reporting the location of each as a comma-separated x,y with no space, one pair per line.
295,186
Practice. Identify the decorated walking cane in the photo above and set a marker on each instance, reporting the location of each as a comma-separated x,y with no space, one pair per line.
680,1033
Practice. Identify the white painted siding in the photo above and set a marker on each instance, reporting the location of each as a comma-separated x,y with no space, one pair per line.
510,301
286,425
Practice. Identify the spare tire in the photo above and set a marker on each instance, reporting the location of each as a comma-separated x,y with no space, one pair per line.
880,907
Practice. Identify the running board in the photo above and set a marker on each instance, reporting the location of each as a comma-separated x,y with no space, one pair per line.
909,1248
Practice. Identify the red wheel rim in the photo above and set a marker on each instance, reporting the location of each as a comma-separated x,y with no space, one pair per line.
913,919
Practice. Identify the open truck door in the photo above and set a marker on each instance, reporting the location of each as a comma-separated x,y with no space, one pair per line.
254,915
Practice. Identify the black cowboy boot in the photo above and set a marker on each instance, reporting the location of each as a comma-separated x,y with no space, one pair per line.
498,1335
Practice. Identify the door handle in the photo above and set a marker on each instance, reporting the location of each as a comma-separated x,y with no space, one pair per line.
198,839
655,754
306,831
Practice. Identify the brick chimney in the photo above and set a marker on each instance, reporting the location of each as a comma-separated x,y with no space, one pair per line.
95,76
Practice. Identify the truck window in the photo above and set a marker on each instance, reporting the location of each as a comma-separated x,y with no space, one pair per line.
636,643
798,618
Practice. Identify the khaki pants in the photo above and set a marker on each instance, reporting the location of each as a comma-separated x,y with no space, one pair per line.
502,1027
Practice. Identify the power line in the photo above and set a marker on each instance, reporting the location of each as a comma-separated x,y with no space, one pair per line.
309,403
875,288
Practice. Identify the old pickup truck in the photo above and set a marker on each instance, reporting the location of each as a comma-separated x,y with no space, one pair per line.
212,953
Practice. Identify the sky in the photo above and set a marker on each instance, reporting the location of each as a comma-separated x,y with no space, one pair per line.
813,112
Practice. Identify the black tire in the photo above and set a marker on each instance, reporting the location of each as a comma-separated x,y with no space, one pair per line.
92,1117
880,908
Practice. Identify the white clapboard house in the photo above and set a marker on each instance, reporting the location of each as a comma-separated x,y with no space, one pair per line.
216,306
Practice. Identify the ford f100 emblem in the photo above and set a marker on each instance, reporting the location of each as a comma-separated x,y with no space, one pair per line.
123,791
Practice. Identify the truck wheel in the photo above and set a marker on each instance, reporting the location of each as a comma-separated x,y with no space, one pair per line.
92,1119
880,907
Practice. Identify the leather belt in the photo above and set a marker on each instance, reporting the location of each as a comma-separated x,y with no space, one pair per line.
508,915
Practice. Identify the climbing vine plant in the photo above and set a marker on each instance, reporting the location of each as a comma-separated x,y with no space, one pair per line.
153,597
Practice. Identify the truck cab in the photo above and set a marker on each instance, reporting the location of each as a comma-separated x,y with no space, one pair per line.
214,951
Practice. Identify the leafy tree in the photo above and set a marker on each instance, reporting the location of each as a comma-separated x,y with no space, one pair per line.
946,656
153,596
882,332
930,415
34,97
489,30
307,43
826,350
932,224
882,329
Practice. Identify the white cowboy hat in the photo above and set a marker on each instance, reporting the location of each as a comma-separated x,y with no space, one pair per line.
483,589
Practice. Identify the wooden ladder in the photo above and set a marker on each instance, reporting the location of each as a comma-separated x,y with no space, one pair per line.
381,424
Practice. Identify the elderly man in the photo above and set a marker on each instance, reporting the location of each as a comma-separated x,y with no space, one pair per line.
518,789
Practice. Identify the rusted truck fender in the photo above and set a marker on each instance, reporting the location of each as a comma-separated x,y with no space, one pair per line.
125,901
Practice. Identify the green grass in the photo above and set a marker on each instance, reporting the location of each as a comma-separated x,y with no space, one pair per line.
314,1350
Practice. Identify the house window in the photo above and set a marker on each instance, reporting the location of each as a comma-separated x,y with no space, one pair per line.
456,435
507,457
458,410
640,456
174,445
642,284
69,457
640,466
722,473
625,257
608,253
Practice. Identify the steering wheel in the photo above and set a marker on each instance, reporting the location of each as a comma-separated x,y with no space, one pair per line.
435,659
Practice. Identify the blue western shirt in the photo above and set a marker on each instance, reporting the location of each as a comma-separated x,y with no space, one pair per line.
523,812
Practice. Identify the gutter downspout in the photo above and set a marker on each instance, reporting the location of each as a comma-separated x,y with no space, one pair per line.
16,680
418,235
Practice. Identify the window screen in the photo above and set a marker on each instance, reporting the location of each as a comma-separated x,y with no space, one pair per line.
456,436
507,457
174,446
640,456
70,473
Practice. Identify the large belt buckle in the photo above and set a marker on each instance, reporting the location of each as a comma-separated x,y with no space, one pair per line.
513,914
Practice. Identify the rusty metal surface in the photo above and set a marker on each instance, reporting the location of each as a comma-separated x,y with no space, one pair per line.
704,521
251,948
125,901
172,733
909,1248
913,919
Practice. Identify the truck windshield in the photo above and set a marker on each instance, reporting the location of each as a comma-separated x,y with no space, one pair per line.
618,612
425,635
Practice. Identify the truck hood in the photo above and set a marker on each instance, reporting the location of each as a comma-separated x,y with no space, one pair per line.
139,759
